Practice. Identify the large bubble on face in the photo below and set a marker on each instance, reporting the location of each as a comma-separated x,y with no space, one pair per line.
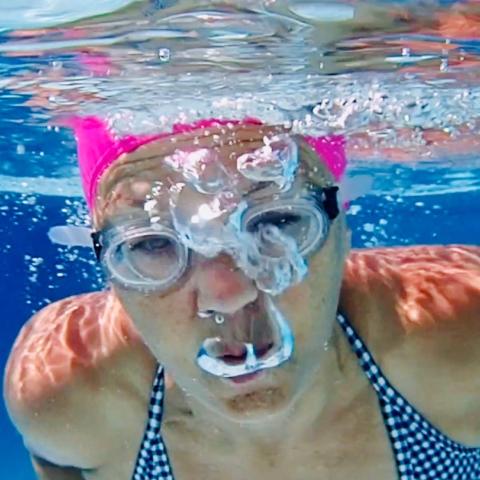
276,162
272,259
201,168
207,206
206,230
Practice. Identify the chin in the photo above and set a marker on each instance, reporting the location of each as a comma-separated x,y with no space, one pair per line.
256,398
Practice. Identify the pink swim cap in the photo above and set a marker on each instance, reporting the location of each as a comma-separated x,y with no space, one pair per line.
97,148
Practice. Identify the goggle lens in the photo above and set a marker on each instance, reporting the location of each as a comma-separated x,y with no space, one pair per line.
146,259
306,226
153,257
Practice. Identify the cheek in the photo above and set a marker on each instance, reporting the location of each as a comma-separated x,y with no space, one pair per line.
310,296
304,306
310,305
161,317
169,326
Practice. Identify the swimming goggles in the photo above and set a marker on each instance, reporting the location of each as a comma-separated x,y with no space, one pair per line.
150,256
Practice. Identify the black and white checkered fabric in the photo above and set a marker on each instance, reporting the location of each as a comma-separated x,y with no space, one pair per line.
421,451
152,461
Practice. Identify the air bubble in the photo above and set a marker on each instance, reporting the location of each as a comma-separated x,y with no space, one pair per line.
164,55
201,168
276,162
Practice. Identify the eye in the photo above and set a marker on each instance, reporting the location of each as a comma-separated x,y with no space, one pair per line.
155,245
301,222
279,219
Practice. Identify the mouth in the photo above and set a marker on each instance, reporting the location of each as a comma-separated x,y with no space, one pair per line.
236,354
247,378
248,345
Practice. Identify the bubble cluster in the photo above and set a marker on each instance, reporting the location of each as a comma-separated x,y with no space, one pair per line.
276,162
215,225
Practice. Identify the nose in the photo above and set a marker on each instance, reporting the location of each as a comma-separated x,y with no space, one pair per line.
222,287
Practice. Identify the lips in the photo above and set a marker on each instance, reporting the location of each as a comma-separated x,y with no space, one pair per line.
243,379
232,351
250,341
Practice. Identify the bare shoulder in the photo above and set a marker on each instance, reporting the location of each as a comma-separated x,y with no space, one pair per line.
55,367
423,288
417,309
62,340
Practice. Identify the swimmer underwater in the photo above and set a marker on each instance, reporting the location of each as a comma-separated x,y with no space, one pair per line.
241,338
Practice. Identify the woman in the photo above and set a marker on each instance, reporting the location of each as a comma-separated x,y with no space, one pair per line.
230,343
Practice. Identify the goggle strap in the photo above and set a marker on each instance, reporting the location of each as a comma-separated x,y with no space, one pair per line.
330,202
97,245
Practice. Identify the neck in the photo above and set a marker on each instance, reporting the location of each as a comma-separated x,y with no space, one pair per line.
332,387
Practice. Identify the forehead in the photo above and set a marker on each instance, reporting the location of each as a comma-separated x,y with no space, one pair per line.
157,168
134,198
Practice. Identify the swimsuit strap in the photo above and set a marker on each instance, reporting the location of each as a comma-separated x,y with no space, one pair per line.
366,360
152,460
421,451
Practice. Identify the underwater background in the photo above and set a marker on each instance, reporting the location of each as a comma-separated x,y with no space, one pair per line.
397,69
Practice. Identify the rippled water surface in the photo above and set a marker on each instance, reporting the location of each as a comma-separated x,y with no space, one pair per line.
401,79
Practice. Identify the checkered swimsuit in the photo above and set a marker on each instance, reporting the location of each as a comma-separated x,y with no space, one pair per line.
421,451
152,460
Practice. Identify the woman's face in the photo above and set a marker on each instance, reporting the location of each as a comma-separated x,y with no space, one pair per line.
174,323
